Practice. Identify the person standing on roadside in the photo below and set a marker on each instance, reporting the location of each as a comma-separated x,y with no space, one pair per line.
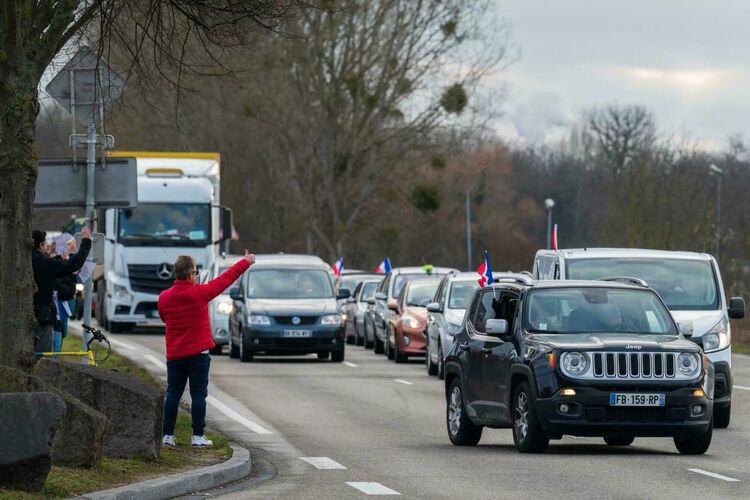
46,271
184,310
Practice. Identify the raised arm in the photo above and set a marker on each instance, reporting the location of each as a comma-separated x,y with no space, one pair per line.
74,263
215,287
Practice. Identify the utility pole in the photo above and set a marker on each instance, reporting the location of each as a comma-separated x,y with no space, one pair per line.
718,173
549,204
468,232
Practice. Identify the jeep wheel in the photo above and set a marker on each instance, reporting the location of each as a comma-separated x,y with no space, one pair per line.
619,440
379,346
323,354
696,444
245,353
527,433
722,415
234,350
338,356
461,430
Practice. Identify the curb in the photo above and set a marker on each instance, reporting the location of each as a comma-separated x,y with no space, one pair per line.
183,483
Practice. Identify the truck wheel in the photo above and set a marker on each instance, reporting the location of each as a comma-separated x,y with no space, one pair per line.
722,415
245,353
461,430
338,356
696,444
234,350
619,440
527,433
379,346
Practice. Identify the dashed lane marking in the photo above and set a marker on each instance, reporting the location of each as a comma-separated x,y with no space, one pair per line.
741,387
257,428
715,475
350,364
373,488
323,463
159,363
405,382
120,343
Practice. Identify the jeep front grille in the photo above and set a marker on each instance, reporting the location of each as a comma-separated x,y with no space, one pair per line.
634,365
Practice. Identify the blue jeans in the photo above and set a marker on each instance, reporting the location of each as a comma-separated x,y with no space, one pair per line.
179,372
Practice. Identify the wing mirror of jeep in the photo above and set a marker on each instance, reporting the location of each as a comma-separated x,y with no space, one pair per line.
380,296
685,328
434,307
235,293
497,327
736,308
393,305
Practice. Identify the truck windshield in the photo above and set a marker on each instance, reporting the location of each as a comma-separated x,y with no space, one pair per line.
165,224
289,284
597,310
684,285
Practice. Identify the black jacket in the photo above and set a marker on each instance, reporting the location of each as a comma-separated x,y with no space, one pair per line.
65,286
48,269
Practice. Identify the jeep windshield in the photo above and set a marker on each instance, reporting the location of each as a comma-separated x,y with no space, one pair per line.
597,310
683,284
289,284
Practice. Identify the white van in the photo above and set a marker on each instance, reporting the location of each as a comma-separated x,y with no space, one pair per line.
688,283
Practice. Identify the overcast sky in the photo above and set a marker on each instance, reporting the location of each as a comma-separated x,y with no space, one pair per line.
686,60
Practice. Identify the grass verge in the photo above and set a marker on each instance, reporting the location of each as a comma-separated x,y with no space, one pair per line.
65,482
741,347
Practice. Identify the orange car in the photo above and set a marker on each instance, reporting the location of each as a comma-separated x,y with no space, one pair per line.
407,329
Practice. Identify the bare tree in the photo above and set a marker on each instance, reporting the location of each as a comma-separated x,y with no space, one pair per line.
33,33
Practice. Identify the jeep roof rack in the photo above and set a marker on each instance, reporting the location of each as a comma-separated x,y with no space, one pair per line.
625,279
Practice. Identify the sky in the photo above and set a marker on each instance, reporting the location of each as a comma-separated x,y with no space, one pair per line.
688,61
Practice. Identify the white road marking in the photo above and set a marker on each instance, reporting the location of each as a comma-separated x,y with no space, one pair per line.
258,429
741,387
323,463
120,343
714,475
350,364
405,382
161,364
373,488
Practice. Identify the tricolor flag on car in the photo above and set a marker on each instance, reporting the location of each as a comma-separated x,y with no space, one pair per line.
554,238
384,267
338,267
485,271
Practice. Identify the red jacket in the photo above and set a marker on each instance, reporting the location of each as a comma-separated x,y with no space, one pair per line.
184,309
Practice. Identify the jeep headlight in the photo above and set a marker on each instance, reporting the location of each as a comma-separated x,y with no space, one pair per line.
717,338
574,363
688,363
331,319
258,319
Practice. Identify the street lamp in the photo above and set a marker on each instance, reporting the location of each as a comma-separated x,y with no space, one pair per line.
549,204
718,173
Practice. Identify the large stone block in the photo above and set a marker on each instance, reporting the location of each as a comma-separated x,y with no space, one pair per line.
28,421
134,409
79,441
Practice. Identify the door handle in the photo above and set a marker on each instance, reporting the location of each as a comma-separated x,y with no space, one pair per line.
486,350
463,347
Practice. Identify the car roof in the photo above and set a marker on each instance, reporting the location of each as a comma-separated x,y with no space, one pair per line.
551,284
420,269
579,253
289,260
462,276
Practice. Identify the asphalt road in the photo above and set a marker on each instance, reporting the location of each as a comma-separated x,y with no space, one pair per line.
372,425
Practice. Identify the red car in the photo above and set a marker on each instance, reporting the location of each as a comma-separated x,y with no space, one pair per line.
407,329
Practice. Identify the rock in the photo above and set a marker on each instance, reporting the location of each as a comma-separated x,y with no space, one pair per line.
79,441
28,422
134,409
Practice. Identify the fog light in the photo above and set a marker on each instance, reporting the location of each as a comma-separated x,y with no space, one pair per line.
564,408
698,393
568,392
697,410
256,341
407,340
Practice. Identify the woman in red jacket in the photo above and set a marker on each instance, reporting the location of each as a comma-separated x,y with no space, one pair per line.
184,309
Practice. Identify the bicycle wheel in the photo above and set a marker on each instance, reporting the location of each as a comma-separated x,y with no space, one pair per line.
101,350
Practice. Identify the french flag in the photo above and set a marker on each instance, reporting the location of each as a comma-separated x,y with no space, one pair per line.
384,267
338,267
485,271
554,238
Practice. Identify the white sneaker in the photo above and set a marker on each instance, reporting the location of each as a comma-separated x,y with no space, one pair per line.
167,440
201,442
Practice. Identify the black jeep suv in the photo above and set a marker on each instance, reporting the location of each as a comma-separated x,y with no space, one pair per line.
583,358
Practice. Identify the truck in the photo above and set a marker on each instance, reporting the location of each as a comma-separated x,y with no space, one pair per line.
178,213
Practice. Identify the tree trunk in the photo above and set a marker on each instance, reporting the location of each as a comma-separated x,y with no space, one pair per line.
18,109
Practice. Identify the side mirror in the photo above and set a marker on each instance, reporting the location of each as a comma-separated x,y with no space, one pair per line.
393,305
351,300
370,301
226,224
343,293
497,327
380,296
685,328
736,308
235,293
434,307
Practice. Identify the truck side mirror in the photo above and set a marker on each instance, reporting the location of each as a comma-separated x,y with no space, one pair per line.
226,224
235,293
736,308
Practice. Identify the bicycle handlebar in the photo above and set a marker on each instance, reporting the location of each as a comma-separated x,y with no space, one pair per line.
95,335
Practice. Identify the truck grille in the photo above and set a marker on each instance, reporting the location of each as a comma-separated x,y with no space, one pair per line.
144,278
634,365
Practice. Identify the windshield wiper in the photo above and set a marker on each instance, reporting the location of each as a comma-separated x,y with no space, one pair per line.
140,235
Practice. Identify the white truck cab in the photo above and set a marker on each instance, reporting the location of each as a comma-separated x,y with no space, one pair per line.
178,213
689,284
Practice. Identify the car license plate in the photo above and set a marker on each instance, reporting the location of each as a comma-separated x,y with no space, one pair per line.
296,333
629,399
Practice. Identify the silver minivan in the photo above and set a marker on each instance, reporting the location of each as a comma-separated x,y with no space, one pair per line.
689,284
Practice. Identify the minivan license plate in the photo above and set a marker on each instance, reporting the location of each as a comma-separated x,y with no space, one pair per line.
296,333
628,399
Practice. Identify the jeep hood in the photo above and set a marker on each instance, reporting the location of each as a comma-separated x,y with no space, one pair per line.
615,342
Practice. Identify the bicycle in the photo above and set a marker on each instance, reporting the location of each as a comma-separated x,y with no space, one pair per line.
96,355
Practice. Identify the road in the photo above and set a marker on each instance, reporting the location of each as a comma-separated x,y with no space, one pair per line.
381,428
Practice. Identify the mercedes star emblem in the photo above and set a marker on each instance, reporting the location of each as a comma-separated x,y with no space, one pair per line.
296,320
164,272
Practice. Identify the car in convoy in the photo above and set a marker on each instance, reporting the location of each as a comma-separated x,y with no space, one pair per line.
690,285
285,305
355,309
445,315
407,328
583,358
385,296
221,307
350,280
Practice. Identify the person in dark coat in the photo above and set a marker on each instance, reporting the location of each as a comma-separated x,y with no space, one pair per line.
46,271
